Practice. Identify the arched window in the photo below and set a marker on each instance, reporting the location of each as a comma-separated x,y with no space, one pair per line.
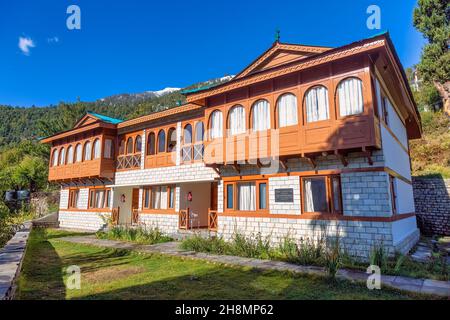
261,115
138,144
62,156
187,134
78,153
108,150
130,145
161,141
316,104
216,125
287,110
55,158
151,144
69,157
87,151
171,140
199,132
237,120
350,97
122,146
97,152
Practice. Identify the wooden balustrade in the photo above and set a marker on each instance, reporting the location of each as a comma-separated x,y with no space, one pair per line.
184,220
115,216
212,220
135,216
130,161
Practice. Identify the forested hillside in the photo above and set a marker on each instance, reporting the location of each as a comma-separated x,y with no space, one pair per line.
18,124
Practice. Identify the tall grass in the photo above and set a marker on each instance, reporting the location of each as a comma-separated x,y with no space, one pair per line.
138,235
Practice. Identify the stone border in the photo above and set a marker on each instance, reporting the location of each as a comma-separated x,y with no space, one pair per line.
421,286
11,258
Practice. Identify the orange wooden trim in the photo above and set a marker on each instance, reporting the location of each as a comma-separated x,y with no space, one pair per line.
72,132
157,211
398,176
316,216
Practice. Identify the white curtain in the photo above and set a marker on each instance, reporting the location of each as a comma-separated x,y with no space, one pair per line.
350,97
156,198
309,201
216,124
87,151
97,149
287,110
62,157
237,120
247,196
55,158
163,197
79,153
99,198
70,154
261,115
107,153
317,104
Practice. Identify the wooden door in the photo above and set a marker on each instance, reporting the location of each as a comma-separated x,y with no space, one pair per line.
213,204
134,202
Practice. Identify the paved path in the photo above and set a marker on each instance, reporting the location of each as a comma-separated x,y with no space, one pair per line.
441,288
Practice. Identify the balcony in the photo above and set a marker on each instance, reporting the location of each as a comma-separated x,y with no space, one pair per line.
128,162
97,168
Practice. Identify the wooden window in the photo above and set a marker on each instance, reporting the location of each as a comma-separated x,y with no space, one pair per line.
138,144
122,146
393,190
171,140
260,114
236,120
350,95
78,153
62,156
69,156
158,197
99,198
216,125
73,198
321,194
287,110
151,144
161,141
97,149
316,104
246,196
187,134
186,150
87,151
130,146
199,132
55,157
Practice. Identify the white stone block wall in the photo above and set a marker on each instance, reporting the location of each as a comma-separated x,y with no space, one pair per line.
166,175
166,223
64,199
357,238
366,194
282,183
85,220
220,196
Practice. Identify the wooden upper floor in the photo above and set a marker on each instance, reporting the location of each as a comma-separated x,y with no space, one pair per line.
293,101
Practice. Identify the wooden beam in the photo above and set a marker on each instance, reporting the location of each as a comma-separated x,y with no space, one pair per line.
216,168
368,155
283,164
236,167
341,157
311,160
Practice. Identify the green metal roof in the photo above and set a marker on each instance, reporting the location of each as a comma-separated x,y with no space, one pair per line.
105,118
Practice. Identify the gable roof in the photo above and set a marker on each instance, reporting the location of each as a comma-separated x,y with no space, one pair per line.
279,54
91,117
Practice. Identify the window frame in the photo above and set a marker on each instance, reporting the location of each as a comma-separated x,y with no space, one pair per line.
158,141
85,144
92,199
70,147
149,190
228,121
305,111
252,113
148,146
277,110
210,129
393,192
337,102
329,194
74,195
235,196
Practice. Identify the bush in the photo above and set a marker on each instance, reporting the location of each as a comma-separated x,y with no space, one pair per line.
333,258
211,245
379,256
139,235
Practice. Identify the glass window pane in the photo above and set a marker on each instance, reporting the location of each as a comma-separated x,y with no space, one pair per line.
316,103
162,141
156,197
97,149
151,144
163,198
199,130
247,196
350,97
172,197
315,194
108,199
87,151
229,196
107,153
262,196
261,115
138,147
188,134
287,110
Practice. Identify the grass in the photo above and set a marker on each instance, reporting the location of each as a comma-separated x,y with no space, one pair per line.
319,253
120,274
138,235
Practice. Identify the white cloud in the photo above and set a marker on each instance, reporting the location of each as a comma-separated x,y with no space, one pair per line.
53,40
25,44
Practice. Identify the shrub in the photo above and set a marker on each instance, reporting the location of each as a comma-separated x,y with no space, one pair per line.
379,256
139,235
333,258
199,244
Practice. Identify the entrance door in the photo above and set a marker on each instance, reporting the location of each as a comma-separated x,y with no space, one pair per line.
213,204
134,205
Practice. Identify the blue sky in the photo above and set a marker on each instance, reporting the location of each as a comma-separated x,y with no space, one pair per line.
134,46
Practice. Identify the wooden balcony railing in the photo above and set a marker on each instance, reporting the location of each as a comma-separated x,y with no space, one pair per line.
135,216
130,161
115,216
212,220
183,219
193,152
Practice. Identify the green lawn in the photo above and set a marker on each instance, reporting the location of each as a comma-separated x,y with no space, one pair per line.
118,274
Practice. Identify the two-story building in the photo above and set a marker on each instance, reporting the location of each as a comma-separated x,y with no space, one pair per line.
306,141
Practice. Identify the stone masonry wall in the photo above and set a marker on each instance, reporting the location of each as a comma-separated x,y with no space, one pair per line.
432,202
83,220
166,223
